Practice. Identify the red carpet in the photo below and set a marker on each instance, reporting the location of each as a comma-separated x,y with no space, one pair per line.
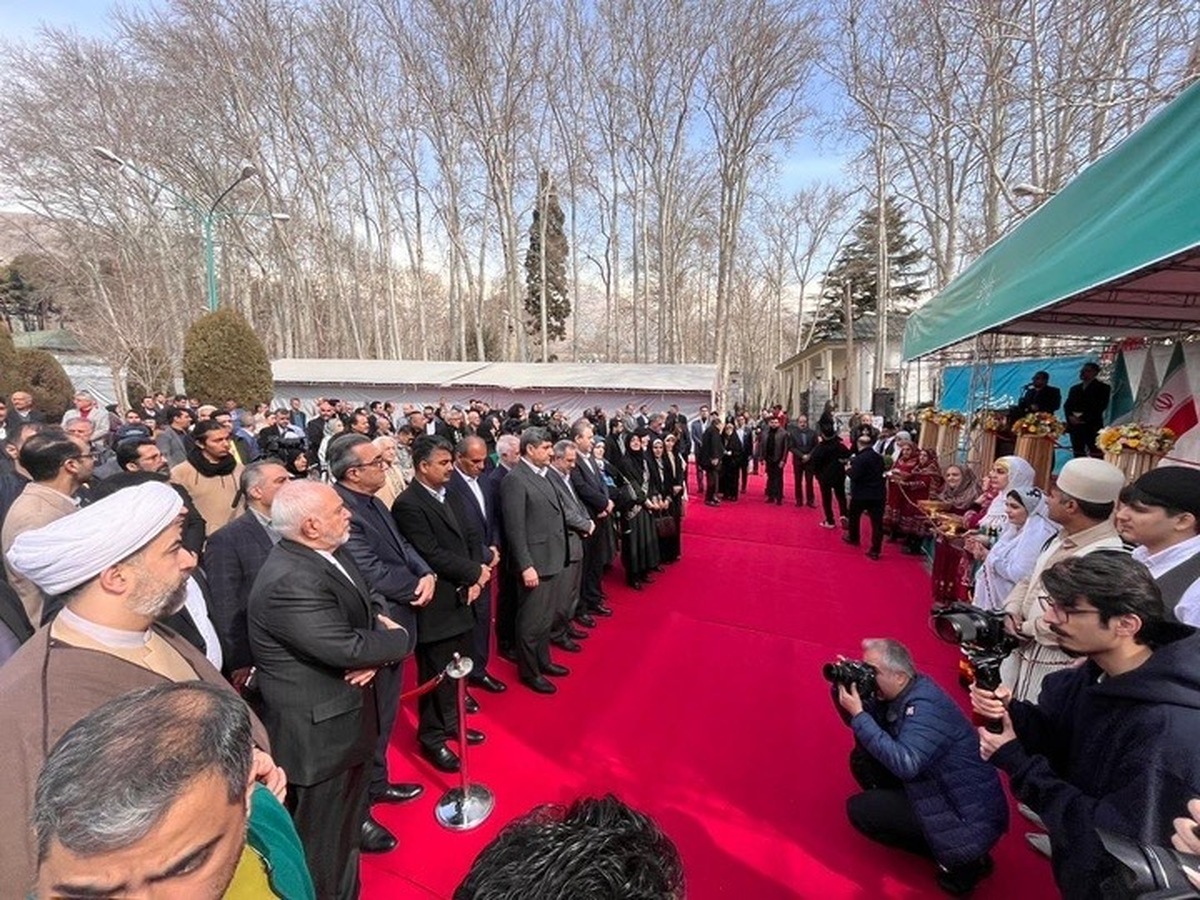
701,702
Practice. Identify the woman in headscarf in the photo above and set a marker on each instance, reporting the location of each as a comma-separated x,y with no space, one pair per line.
960,490
1008,473
606,525
665,484
1015,551
912,524
639,540
394,482
903,470
731,462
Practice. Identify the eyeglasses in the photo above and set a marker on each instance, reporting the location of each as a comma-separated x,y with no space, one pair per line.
1065,612
377,463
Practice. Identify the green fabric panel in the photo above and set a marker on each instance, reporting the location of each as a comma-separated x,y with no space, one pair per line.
1135,206
273,835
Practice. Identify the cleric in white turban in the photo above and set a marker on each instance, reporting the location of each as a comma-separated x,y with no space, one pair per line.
119,568
63,555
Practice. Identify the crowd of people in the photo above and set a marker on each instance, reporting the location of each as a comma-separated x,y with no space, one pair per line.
298,558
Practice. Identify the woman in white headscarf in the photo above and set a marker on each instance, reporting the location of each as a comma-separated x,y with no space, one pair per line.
1013,555
987,520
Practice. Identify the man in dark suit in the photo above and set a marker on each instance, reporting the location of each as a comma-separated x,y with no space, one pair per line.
745,433
1039,396
536,541
438,525
588,482
314,431
398,578
467,484
773,446
1087,402
508,449
712,450
232,560
296,414
318,637
801,440
696,430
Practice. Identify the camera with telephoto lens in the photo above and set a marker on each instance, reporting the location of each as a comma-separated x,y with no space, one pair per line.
849,672
1146,872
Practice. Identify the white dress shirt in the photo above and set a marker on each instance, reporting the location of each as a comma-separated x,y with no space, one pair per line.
1188,608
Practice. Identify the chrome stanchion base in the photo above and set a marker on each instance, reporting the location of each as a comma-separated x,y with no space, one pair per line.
460,812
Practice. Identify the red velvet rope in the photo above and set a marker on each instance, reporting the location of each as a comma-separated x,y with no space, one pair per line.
424,688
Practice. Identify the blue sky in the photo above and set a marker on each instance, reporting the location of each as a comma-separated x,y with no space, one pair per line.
20,19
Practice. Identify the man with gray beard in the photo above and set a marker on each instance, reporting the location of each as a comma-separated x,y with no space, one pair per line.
120,568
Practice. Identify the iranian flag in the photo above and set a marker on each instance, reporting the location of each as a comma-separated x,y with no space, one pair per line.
1173,406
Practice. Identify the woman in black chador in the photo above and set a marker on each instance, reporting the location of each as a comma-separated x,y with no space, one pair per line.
639,540
666,483
731,462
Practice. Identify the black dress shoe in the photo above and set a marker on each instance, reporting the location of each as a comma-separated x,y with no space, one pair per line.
585,620
472,704
507,653
636,585
375,838
475,736
400,793
441,757
555,670
600,610
872,554
489,683
576,634
539,685
565,643
646,579
846,539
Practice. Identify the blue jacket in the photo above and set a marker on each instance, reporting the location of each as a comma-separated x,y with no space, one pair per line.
926,741
1120,753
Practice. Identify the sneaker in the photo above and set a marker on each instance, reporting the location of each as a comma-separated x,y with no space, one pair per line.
1039,841
961,880
827,525
1031,815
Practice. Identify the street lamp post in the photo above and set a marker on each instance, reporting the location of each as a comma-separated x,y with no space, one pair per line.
207,217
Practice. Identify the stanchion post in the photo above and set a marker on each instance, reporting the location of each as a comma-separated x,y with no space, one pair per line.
468,805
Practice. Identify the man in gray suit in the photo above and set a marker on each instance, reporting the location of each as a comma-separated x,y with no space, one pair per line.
173,441
696,433
536,541
563,632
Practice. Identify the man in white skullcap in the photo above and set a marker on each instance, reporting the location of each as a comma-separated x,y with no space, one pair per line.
1081,502
119,566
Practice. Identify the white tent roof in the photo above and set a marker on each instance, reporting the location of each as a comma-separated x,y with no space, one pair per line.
506,375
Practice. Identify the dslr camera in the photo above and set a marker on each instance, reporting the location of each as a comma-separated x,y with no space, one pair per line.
849,672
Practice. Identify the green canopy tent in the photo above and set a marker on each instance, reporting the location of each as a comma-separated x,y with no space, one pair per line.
1114,253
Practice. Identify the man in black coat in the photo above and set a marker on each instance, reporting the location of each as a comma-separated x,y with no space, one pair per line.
588,481
1087,402
233,558
468,485
318,637
580,527
801,440
399,578
1039,396
867,494
536,541
439,527
774,445
712,450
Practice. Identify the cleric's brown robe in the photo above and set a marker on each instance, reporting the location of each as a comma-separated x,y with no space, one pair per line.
45,688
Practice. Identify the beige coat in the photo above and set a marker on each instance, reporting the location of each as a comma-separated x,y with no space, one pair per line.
212,496
36,506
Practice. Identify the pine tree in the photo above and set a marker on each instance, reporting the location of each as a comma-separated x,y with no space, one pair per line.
223,359
43,376
554,259
857,266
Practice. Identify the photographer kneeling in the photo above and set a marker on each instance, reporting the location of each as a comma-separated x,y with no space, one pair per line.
1113,743
916,756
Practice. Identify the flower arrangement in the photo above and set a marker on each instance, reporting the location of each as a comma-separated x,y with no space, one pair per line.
942,417
1136,438
992,420
1039,424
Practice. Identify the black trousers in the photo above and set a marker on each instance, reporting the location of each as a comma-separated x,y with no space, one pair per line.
566,602
874,511
882,811
590,593
535,616
803,477
700,478
481,636
328,818
744,472
710,485
437,711
387,690
774,480
1083,439
828,492
506,607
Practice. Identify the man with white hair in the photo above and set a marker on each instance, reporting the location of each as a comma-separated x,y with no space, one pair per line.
318,636
120,568
88,410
